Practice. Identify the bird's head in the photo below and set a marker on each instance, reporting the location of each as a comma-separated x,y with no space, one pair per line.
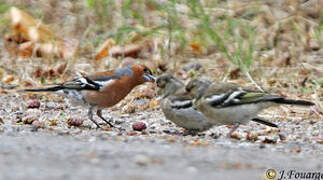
168,85
143,74
196,87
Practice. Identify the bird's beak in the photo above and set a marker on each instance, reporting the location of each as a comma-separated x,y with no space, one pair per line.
149,78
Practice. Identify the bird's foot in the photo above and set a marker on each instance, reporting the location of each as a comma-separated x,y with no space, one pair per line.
233,128
107,123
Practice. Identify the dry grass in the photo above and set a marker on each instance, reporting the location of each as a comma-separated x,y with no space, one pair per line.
275,44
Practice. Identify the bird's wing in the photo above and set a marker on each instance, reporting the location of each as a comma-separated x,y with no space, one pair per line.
92,82
82,83
108,77
219,93
229,94
180,102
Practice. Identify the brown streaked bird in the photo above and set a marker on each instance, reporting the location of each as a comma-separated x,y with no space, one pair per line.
230,104
177,105
101,90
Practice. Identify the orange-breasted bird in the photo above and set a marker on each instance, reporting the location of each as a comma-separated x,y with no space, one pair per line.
101,90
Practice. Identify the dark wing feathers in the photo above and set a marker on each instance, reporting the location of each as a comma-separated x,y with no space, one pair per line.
230,94
180,102
238,96
293,102
83,83
264,122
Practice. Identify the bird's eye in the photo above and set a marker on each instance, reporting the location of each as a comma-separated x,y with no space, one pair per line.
188,89
147,70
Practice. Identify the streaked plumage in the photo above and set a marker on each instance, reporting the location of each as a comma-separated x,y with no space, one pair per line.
230,104
177,106
103,89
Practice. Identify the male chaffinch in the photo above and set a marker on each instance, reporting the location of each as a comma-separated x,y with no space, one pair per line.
230,104
177,105
103,89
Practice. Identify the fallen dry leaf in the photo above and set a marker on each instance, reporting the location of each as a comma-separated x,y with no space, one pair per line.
60,68
196,47
32,38
30,28
8,79
125,51
27,49
234,74
15,37
53,122
38,124
104,49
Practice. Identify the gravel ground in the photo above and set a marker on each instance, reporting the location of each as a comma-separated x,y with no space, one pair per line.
52,150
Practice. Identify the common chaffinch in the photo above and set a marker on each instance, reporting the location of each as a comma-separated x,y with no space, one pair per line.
103,89
230,104
177,105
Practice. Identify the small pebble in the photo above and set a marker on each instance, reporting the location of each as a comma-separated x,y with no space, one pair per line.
50,105
38,124
236,136
146,92
282,137
214,135
262,146
112,133
319,138
269,140
141,160
118,121
194,65
103,137
139,126
29,119
35,103
129,109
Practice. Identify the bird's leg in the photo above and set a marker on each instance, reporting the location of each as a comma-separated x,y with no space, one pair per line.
90,115
234,127
99,113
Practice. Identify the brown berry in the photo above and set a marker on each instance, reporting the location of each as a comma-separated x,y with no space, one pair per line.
139,126
74,121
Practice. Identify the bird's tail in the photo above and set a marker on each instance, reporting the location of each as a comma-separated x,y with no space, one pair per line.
48,89
264,122
293,102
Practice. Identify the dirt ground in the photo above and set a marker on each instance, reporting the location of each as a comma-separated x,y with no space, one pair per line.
273,44
159,152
